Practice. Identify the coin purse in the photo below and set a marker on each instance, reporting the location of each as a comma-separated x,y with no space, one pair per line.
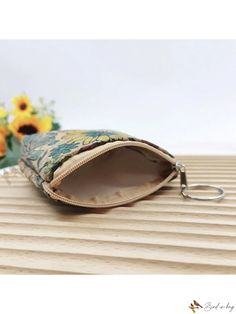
99,168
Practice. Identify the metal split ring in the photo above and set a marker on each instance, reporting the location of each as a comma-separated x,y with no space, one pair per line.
187,188
185,191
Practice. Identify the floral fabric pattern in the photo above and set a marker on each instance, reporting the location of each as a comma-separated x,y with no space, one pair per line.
43,153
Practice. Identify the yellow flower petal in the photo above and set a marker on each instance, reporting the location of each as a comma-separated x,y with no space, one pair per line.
22,126
46,124
4,130
3,146
22,106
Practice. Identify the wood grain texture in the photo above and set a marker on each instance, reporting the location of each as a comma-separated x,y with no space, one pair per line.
161,234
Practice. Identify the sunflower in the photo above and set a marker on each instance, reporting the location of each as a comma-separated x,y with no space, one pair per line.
3,146
22,106
22,126
4,130
47,123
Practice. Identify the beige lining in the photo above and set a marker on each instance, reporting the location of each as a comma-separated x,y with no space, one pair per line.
111,174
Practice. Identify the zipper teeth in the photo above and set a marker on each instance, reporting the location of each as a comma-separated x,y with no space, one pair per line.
124,201
136,144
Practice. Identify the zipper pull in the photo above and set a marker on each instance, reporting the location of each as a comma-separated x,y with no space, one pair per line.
183,177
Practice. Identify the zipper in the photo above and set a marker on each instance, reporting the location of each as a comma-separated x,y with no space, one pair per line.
54,182
111,147
104,205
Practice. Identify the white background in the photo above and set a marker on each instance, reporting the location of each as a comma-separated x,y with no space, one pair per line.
26,69
115,294
180,94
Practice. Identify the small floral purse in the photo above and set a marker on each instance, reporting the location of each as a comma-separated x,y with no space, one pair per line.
99,168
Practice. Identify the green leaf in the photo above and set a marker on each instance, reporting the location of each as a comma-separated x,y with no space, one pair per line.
55,126
9,141
16,146
13,153
8,160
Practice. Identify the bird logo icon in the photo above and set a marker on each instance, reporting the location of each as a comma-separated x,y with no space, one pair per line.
195,306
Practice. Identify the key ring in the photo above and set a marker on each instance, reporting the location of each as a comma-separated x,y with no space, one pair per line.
187,188
185,192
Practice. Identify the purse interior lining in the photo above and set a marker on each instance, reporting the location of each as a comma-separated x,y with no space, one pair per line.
119,174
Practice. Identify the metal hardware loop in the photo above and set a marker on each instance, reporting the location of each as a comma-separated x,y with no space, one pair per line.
186,192
187,188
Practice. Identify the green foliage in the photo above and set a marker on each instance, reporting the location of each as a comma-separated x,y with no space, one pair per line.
55,126
13,153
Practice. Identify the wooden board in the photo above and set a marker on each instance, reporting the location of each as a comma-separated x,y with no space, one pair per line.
162,234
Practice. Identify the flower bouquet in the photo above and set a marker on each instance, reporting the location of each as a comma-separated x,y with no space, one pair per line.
24,119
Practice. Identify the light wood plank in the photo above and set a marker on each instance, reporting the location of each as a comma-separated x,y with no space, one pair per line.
162,234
